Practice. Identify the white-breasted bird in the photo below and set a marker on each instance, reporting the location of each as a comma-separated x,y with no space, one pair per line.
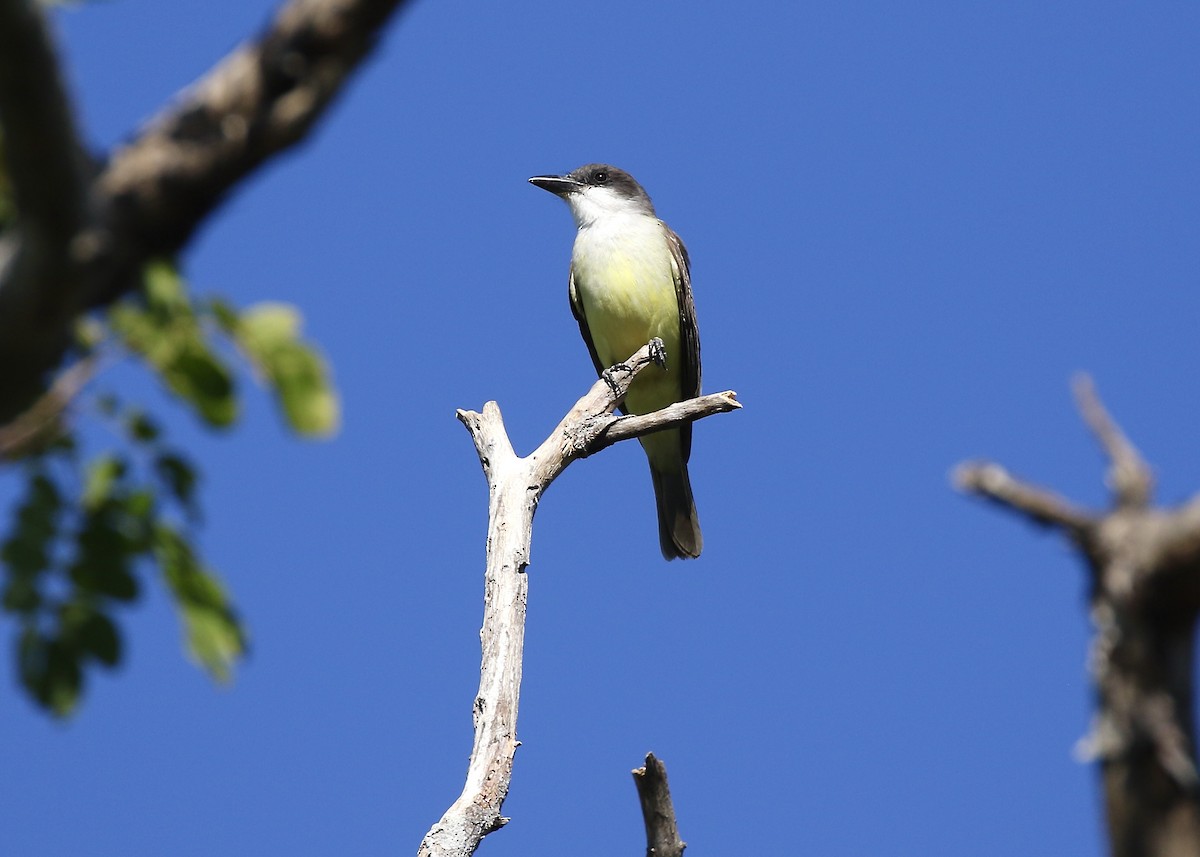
630,282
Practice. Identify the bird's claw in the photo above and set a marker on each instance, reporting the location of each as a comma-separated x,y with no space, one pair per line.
607,375
658,353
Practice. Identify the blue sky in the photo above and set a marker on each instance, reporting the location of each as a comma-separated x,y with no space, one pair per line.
910,224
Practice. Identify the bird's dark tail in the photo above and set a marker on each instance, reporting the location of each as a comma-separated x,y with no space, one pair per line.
678,527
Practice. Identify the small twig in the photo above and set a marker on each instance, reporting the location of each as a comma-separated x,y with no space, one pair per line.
515,487
631,426
1129,476
658,813
27,431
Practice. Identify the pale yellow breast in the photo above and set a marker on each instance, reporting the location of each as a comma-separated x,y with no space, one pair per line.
624,279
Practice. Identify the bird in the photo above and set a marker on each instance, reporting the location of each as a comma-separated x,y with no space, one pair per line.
630,282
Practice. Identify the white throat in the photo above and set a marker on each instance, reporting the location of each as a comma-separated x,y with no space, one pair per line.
594,205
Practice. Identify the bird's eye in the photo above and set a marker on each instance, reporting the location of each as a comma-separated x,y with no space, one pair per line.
600,177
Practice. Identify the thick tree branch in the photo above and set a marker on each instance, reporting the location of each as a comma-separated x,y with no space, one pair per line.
1145,571
515,487
259,101
476,813
40,143
658,813
150,196
44,162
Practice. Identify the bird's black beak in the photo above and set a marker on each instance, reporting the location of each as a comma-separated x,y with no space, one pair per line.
557,185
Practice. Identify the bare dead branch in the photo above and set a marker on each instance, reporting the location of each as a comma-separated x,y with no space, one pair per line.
591,424
658,813
515,486
1129,476
994,483
476,812
1145,566
631,426
487,431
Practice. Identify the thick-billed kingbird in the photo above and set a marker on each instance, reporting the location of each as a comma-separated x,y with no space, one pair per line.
630,282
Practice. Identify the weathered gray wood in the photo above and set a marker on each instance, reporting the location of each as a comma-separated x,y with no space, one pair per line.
1145,574
515,486
658,812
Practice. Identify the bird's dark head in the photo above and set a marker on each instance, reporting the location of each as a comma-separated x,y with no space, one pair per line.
597,189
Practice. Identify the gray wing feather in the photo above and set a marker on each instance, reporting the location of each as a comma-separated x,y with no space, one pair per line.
577,311
689,360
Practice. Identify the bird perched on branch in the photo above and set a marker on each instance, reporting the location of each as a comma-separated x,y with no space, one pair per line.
630,283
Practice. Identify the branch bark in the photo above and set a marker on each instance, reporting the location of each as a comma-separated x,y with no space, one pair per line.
658,812
1144,564
150,196
46,166
256,103
38,270
515,486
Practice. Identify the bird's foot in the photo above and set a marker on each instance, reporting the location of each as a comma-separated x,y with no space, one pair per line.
607,375
658,353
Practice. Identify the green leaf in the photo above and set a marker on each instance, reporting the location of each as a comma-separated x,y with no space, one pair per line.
89,333
93,633
301,380
137,509
198,377
265,325
270,334
104,472
26,552
165,290
140,427
21,595
214,636
50,671
139,331
167,333
225,314
180,479
104,553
